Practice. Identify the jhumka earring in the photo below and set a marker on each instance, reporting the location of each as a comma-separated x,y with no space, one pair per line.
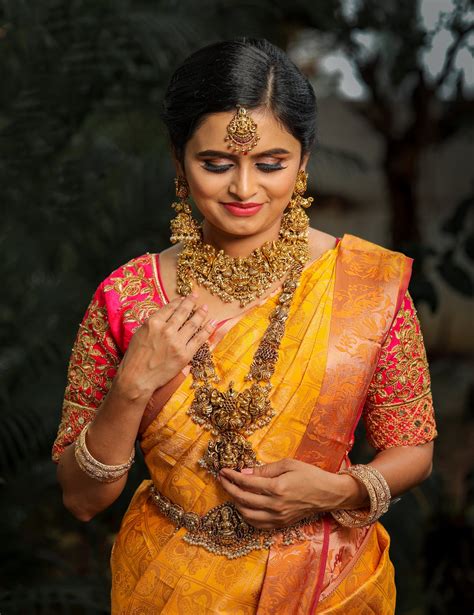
295,221
184,227
242,132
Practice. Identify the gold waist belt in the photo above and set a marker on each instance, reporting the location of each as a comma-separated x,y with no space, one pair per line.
223,531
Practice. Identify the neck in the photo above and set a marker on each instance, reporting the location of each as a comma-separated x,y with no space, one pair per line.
238,245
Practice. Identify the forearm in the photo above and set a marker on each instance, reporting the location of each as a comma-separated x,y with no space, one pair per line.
403,468
110,439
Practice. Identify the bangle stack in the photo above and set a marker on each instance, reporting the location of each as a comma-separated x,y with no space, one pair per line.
379,494
95,469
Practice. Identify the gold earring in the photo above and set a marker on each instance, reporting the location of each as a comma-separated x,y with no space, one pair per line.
295,221
184,227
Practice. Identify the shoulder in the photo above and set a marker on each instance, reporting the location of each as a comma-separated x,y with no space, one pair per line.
139,270
131,293
319,243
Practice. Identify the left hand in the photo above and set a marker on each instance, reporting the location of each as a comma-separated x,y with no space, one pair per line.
283,492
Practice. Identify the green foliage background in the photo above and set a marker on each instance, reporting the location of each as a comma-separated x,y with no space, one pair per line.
86,185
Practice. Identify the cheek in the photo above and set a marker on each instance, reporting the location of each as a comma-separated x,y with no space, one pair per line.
208,185
281,187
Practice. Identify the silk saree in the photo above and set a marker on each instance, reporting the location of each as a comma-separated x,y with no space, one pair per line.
352,349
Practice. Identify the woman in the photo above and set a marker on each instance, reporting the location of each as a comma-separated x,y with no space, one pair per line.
242,359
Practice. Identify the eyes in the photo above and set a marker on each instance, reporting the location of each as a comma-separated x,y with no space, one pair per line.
222,168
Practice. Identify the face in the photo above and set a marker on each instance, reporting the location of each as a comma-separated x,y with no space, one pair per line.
242,195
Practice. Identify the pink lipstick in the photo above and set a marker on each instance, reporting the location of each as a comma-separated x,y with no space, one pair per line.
243,209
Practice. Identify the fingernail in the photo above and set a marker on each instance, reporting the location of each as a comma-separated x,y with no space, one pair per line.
246,471
193,295
204,307
213,322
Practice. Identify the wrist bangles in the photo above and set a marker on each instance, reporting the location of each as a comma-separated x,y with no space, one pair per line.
379,495
96,469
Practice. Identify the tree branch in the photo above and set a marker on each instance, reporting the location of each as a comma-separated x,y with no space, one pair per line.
451,55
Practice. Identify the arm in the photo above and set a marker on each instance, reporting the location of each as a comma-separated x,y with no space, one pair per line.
111,395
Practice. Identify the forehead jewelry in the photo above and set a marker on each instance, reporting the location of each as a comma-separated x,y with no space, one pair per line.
242,132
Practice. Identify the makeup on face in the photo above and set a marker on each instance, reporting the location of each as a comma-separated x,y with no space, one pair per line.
242,195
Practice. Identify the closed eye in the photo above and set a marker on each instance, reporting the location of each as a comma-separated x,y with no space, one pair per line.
268,168
222,168
216,168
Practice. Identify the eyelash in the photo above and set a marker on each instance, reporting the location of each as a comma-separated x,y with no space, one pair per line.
222,168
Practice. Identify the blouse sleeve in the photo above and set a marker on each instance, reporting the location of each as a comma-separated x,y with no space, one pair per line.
399,406
94,361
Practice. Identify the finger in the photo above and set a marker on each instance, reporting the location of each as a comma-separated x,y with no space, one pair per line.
245,498
192,324
260,519
274,469
201,336
249,482
182,313
167,310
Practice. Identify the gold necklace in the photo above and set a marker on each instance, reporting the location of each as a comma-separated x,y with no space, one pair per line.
244,279
230,416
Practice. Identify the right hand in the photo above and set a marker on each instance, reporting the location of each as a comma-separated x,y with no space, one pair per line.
161,347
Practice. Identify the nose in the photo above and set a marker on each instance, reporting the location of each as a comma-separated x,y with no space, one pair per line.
243,183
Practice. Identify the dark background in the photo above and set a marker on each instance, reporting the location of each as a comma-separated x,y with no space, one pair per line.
86,184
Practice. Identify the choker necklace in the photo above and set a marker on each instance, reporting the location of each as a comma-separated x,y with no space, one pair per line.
244,279
230,416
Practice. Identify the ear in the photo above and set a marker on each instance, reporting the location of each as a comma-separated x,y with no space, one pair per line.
304,162
177,165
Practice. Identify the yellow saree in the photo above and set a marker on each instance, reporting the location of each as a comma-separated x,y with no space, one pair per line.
338,325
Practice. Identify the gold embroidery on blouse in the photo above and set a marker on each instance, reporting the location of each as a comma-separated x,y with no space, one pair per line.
410,424
404,374
93,363
399,406
133,282
86,373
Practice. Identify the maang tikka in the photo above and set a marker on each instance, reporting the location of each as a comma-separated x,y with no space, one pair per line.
242,132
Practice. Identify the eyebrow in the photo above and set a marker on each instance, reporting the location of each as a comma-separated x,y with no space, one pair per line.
220,154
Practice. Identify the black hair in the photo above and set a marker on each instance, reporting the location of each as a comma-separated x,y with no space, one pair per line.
245,71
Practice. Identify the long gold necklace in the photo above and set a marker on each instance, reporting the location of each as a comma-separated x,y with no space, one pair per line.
230,416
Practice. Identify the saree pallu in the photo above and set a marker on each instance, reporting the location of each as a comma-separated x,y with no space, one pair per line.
342,311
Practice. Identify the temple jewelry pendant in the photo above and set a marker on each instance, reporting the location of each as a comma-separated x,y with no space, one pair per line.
231,416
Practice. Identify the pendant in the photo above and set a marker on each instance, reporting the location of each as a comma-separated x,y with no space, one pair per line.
230,416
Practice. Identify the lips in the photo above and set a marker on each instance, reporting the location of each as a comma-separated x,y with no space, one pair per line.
243,209
243,205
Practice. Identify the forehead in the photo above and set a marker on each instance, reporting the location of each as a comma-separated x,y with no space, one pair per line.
212,132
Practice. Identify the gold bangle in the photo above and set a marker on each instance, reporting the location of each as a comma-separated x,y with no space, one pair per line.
96,469
379,495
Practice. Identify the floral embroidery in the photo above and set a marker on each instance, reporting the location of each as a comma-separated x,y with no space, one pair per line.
132,280
399,407
93,364
136,290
